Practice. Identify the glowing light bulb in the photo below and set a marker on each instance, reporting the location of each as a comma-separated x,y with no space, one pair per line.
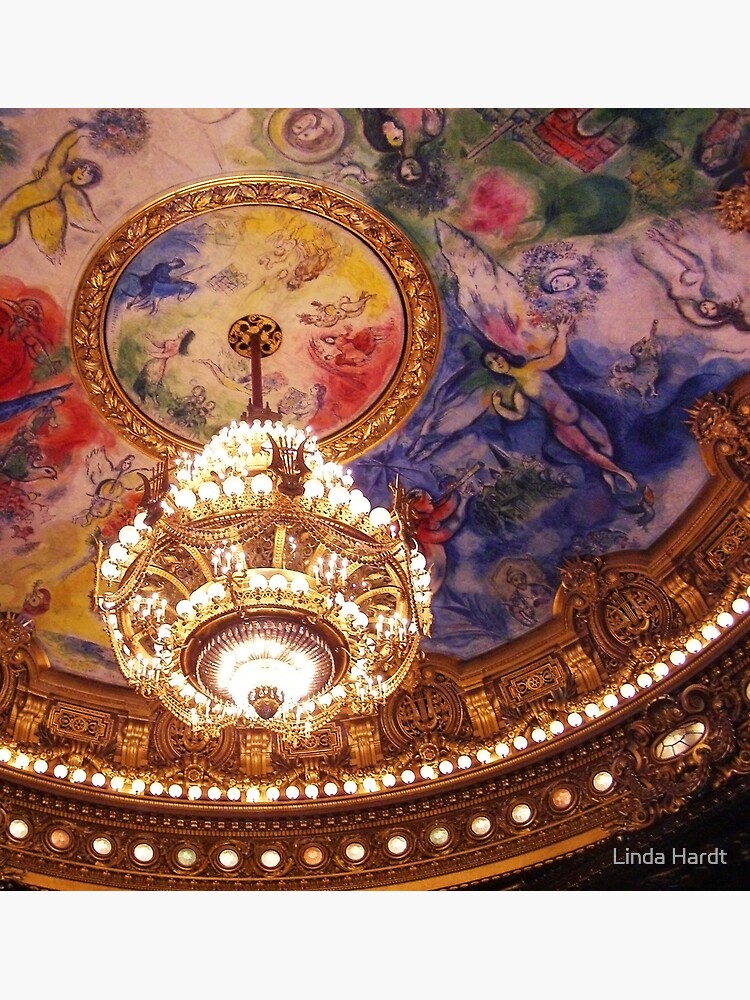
380,517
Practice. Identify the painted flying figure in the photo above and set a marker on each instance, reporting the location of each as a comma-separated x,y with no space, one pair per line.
491,297
159,283
683,274
150,379
54,199
330,313
517,359
21,322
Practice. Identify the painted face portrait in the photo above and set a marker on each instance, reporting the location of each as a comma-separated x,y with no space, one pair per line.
561,279
307,135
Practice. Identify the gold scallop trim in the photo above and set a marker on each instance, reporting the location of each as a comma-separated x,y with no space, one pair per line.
418,295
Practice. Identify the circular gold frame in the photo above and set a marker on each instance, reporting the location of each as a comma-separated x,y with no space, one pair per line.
415,286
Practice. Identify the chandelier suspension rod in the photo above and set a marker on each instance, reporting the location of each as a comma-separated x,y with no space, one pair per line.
256,375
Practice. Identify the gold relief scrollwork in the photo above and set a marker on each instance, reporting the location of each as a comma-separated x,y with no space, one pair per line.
633,611
533,681
720,422
727,546
415,287
726,549
580,583
172,742
532,695
733,205
736,694
68,722
617,612
427,713
480,711
669,755
16,636
325,747
16,632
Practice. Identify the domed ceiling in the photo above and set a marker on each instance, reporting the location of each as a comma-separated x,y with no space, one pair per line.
512,313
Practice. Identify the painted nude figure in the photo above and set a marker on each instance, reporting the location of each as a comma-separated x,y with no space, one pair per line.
575,428
683,273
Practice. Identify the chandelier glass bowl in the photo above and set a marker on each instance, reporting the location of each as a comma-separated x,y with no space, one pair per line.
259,587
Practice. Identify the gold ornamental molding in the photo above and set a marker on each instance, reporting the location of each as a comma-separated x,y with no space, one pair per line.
687,741
616,610
74,722
320,256
720,422
16,632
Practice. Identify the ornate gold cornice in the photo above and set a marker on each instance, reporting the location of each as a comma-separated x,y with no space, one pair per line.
689,740
720,422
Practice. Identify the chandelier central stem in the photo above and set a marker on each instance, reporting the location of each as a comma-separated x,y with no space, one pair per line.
255,337
256,375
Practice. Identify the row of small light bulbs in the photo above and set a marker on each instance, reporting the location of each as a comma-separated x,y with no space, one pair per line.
232,452
253,794
370,784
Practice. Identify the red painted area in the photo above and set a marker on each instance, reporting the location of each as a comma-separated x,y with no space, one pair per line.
560,131
496,203
31,332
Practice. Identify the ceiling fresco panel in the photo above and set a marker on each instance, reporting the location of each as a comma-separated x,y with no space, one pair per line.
590,268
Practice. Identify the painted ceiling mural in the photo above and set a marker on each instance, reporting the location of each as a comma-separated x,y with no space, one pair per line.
592,272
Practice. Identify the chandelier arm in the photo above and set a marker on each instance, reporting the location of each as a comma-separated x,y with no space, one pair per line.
362,544
165,545
353,542
213,529
369,596
127,587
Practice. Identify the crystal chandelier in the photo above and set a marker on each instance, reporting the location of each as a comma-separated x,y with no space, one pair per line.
259,588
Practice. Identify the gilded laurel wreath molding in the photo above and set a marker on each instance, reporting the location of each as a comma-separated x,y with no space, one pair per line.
418,295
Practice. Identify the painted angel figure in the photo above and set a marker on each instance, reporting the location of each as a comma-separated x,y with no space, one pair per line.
460,401
54,199
515,366
575,428
492,299
150,378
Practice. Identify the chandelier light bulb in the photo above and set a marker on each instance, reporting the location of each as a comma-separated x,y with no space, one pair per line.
118,553
185,498
380,517
109,570
209,491
129,535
